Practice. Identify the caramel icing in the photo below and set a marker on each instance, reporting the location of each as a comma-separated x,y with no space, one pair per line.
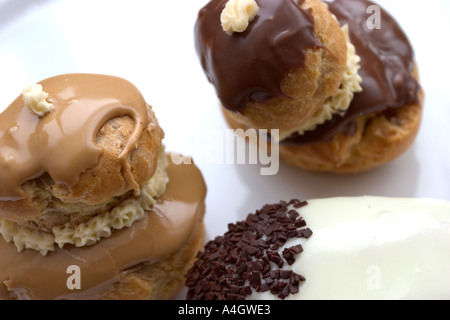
250,66
58,145
29,275
387,65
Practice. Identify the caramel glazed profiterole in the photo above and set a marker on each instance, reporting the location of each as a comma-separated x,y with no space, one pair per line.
58,151
250,67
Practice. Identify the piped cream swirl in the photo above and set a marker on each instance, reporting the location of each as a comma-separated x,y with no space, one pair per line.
237,15
35,99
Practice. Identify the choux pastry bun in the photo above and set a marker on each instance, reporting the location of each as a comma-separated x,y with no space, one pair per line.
338,87
87,187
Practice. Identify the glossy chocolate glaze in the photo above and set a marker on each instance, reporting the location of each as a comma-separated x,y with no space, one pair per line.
62,143
164,230
387,63
250,66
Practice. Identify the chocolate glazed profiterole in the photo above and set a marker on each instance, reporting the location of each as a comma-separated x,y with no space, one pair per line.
250,69
86,187
382,118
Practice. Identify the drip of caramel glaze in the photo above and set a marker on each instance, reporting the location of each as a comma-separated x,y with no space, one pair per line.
387,64
164,230
250,66
62,143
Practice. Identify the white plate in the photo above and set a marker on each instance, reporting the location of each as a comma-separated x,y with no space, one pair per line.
151,44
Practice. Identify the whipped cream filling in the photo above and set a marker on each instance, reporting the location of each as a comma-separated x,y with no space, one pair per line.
339,103
100,226
373,248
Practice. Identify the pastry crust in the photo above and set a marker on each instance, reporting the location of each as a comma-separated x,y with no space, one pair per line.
306,89
378,140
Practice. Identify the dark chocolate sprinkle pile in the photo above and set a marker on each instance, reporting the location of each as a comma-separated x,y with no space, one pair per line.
246,258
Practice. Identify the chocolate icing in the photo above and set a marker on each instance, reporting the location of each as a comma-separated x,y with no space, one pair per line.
387,63
251,65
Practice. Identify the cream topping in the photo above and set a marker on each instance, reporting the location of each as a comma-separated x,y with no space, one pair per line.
237,15
374,248
100,226
35,99
339,103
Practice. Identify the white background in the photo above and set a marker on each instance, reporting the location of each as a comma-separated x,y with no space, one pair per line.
151,44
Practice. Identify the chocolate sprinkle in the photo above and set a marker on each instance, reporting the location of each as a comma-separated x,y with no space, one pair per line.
246,259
